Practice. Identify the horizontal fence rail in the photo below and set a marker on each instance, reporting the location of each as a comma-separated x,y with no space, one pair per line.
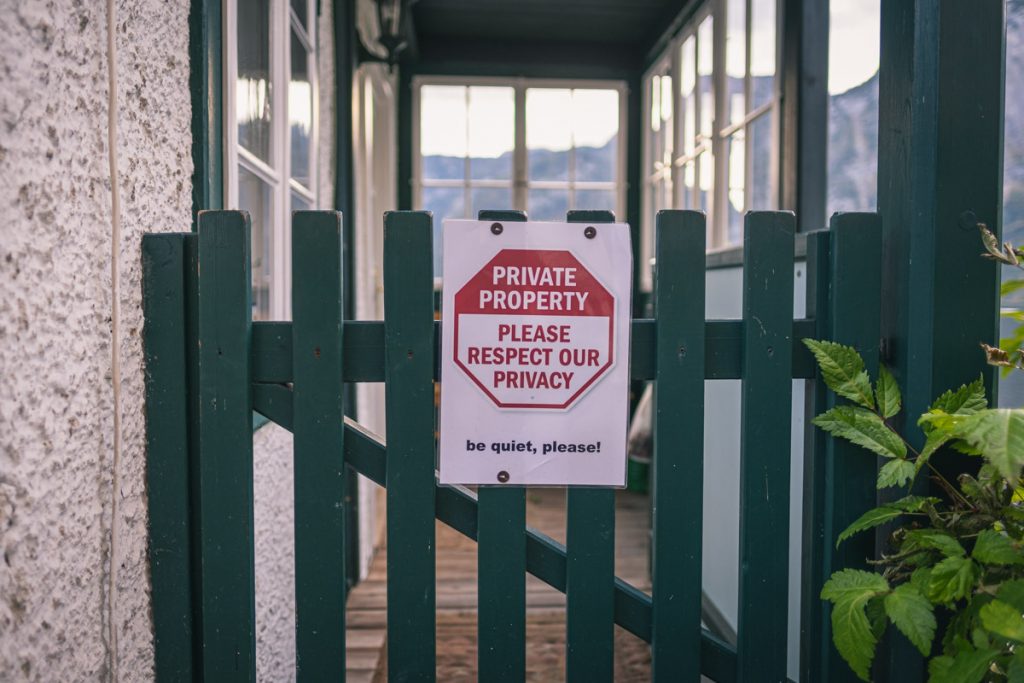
209,366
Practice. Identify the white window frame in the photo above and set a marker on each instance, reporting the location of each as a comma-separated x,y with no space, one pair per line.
721,128
277,175
520,182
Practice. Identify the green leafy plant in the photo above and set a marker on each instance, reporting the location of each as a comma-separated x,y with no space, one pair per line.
962,553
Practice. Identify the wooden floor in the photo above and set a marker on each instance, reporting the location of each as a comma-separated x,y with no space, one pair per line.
456,601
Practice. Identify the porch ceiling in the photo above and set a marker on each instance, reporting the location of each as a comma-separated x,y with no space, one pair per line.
633,23
577,36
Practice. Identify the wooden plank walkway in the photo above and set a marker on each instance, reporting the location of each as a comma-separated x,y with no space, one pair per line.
456,601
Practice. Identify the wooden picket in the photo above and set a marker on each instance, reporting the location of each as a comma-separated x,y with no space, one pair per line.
209,366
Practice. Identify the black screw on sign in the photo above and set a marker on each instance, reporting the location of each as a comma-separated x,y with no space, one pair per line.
503,476
590,232
496,228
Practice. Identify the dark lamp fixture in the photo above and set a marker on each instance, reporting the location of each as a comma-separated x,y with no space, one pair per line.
389,17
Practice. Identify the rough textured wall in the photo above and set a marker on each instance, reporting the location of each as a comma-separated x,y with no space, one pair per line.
56,397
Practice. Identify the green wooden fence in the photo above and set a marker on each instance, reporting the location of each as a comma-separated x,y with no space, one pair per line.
209,366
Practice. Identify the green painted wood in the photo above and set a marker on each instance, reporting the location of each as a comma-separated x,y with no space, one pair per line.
409,400
456,506
318,425
590,564
501,583
191,253
364,350
678,480
854,315
501,564
941,120
167,463
815,642
205,36
225,448
766,407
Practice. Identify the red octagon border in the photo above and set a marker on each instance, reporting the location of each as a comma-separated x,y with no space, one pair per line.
579,392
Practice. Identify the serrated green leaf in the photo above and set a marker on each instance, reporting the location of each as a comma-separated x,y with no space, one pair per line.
850,590
887,393
1012,593
1003,620
843,371
896,472
999,435
863,428
967,400
912,615
967,666
993,547
884,513
952,579
875,609
934,539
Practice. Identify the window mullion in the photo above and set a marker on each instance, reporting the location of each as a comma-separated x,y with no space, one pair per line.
519,156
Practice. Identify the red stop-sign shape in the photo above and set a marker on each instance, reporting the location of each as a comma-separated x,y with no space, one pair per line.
534,329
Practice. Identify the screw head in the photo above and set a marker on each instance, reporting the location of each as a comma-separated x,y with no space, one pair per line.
503,476
496,228
968,220
590,232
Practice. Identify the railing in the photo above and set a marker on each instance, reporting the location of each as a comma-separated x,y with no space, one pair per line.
209,366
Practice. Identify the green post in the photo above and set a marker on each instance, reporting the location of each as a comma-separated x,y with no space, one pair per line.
590,564
678,482
167,453
766,424
501,565
225,448
318,425
939,170
409,402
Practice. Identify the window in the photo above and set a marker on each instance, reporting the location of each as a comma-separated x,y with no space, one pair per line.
541,146
711,141
853,58
271,134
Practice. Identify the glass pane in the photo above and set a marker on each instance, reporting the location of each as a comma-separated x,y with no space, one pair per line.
706,183
760,131
602,200
444,202
253,90
492,132
736,57
301,11
254,196
300,113
666,118
853,105
689,174
687,89
705,64
443,131
299,203
762,51
548,205
595,127
548,133
1011,387
499,198
737,176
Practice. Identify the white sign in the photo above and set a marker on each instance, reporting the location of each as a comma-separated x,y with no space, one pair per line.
535,353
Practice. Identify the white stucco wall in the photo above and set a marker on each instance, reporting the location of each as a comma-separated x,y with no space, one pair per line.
64,615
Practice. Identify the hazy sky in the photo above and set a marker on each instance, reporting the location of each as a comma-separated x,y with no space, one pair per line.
853,43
